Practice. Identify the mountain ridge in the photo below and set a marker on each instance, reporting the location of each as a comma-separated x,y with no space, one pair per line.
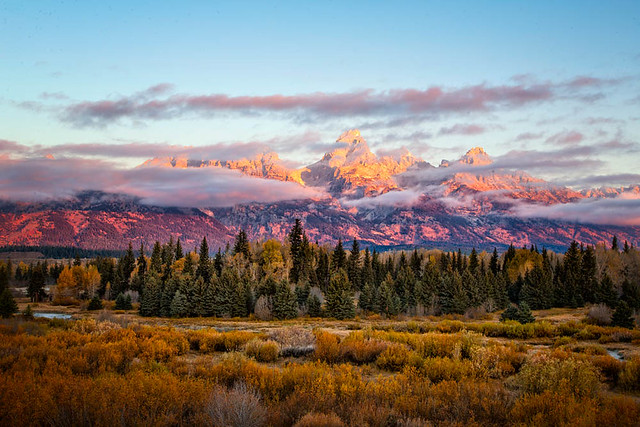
382,200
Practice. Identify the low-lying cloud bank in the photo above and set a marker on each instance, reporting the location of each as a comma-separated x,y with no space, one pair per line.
623,210
46,179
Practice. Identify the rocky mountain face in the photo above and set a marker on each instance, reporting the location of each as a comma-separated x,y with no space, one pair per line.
383,200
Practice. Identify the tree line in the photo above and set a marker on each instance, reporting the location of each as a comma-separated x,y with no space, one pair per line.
283,280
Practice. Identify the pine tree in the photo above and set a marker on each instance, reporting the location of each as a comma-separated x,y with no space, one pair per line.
95,303
8,305
353,265
123,303
179,253
339,298
473,261
388,302
322,271
416,264
314,308
285,305
626,249
179,305
241,245
606,292
37,281
218,263
338,257
453,296
4,277
151,299
614,244
572,275
366,298
494,265
623,316
589,272
204,269
631,294
296,250
141,261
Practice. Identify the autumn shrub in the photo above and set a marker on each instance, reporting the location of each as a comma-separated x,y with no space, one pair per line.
618,411
210,341
590,349
327,347
497,361
629,377
553,408
358,350
396,357
263,351
543,373
563,341
608,366
314,419
238,407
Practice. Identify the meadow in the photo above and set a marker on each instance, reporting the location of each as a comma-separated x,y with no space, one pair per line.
113,367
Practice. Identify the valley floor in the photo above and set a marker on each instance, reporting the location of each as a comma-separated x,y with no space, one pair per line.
113,367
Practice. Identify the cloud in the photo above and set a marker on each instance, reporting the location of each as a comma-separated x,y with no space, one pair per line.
526,136
601,180
44,179
157,102
7,146
623,211
565,138
461,129
402,198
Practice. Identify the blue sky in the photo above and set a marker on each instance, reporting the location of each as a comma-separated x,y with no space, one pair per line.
58,57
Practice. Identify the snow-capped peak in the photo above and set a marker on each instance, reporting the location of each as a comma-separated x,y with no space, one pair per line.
476,156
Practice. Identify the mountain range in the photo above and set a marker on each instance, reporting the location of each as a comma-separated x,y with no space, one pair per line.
390,200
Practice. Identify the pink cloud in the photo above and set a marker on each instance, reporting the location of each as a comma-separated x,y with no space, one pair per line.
156,103
47,179
461,129
566,138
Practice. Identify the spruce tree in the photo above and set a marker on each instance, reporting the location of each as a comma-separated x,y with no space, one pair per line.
606,292
4,277
453,295
388,301
8,305
241,245
285,305
296,250
631,294
474,263
622,317
338,257
151,299
494,265
123,303
614,244
179,305
179,253
339,298
365,300
95,303
314,308
353,265
204,269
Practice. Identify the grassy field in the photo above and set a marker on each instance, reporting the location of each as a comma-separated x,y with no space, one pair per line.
107,367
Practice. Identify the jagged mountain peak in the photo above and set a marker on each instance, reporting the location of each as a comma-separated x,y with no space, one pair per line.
476,156
351,136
